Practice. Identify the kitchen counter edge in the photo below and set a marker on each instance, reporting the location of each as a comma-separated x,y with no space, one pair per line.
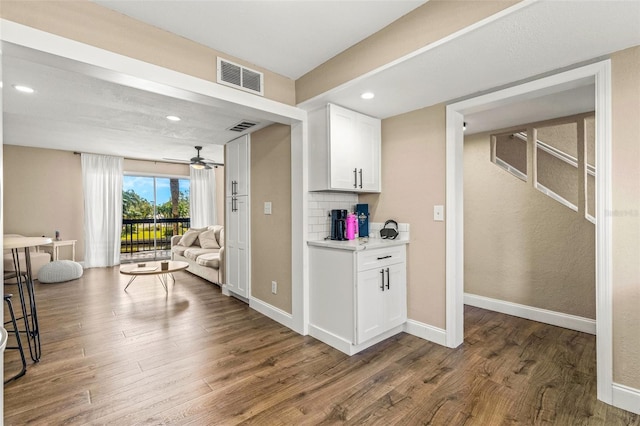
357,245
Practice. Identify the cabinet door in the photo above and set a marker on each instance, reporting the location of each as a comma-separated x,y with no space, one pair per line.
343,143
370,309
237,166
395,295
368,153
236,245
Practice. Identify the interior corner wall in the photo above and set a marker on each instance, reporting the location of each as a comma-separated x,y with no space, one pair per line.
271,234
425,25
45,196
520,245
625,80
220,187
98,26
413,181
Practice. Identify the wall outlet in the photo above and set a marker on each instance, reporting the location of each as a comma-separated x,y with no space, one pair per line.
267,207
274,287
438,213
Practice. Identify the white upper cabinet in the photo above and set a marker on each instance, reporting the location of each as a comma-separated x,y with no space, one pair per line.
237,167
344,151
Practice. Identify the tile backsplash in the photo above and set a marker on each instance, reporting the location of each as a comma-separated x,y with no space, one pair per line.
320,206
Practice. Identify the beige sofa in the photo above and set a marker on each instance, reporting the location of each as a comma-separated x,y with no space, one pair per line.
38,259
203,250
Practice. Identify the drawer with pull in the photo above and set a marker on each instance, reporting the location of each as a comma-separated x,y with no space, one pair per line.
377,258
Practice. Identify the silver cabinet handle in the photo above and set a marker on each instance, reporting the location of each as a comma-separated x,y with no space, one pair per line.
360,178
388,279
355,178
382,277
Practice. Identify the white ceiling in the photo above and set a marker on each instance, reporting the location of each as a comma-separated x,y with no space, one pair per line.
81,111
287,37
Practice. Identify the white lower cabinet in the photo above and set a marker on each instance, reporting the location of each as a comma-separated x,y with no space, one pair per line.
357,298
381,302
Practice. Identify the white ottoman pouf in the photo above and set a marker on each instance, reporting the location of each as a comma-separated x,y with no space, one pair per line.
59,271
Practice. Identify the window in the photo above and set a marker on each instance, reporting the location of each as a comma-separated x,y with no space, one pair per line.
153,210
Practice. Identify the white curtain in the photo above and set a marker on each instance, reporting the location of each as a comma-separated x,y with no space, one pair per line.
102,187
202,198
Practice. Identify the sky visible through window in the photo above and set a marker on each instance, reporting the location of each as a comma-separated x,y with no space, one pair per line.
143,186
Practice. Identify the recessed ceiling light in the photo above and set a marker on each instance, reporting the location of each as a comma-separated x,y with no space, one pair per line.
23,89
368,95
173,118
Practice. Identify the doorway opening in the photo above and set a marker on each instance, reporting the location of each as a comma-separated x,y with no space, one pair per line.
599,75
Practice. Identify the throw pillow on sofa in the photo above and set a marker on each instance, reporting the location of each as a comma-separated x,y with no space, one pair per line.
208,240
189,237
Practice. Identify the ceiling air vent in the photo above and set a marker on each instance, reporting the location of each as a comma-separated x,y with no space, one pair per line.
242,126
240,77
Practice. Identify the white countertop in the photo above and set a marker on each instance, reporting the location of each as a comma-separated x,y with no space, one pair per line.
357,244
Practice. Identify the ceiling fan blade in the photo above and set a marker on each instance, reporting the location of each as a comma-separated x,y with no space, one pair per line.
176,160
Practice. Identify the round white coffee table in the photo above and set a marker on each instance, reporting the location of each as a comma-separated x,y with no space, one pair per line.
153,268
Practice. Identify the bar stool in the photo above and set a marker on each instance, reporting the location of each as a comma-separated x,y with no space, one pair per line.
16,333
27,305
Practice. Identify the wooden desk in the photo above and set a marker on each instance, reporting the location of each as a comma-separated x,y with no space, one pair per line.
55,248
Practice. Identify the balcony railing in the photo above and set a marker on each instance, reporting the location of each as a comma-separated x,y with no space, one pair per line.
142,236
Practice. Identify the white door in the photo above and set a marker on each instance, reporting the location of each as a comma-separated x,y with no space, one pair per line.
237,166
370,304
237,245
395,295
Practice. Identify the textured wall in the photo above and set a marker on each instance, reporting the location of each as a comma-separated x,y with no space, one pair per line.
271,234
625,76
520,245
43,193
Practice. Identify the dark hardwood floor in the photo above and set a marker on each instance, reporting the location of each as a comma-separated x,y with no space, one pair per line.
197,357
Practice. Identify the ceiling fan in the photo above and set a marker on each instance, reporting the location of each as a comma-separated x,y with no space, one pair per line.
198,162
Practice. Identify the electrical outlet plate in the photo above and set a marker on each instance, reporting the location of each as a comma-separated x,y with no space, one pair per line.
274,287
438,213
267,207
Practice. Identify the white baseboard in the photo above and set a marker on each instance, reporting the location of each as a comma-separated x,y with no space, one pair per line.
426,331
626,398
572,322
344,345
272,312
225,290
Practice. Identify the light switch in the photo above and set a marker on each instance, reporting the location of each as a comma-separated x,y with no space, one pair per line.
267,207
438,213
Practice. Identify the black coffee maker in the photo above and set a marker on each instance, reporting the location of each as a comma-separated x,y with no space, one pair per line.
338,224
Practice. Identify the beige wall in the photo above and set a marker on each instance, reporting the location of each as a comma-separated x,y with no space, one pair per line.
413,181
626,216
43,193
271,234
428,23
98,26
520,245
